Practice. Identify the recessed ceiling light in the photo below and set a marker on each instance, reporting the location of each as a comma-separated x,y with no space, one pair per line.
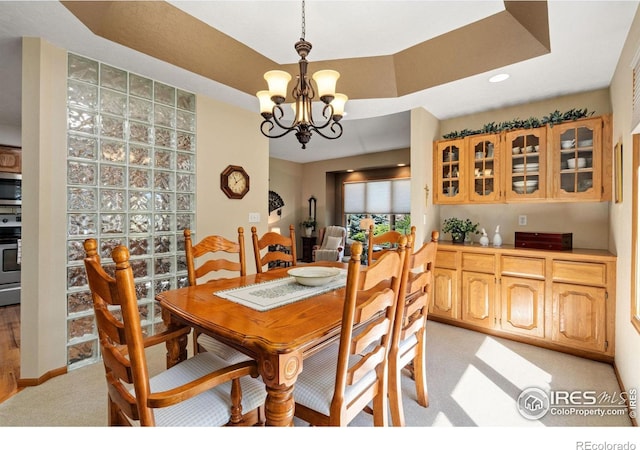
498,78
349,170
401,164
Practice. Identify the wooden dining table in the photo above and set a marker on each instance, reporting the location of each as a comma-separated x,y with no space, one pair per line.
279,339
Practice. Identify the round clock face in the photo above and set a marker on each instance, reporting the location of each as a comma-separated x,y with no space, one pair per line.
234,182
237,182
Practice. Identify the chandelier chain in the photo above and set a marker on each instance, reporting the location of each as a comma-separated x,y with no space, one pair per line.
303,22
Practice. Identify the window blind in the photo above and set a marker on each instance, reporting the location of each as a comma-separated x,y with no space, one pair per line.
378,197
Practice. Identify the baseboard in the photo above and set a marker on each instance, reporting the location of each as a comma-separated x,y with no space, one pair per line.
28,382
634,420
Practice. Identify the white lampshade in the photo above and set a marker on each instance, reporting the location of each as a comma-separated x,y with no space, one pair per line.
326,81
278,81
266,104
338,104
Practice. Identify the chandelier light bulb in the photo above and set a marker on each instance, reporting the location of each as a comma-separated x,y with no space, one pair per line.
278,80
266,104
339,100
326,81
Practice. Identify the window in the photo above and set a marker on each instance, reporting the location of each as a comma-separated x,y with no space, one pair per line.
387,202
635,265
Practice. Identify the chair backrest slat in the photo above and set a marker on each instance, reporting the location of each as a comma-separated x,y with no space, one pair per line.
276,241
215,246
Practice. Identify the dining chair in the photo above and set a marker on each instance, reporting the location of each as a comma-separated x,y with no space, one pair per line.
201,391
384,242
332,241
215,246
280,249
408,346
338,382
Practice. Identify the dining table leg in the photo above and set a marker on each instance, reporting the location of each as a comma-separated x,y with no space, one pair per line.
176,348
279,373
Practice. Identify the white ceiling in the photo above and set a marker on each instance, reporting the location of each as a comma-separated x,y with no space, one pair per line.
586,40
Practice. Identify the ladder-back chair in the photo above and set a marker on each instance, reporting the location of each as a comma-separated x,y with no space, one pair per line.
408,347
338,382
200,391
224,255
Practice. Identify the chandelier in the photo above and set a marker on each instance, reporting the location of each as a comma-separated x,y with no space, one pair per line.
303,93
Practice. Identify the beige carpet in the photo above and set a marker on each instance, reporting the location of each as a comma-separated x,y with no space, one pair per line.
474,381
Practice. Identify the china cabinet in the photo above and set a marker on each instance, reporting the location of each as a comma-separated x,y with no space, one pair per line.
570,161
563,300
485,182
576,163
450,167
525,165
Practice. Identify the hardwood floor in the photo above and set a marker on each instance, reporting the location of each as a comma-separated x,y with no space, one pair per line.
9,350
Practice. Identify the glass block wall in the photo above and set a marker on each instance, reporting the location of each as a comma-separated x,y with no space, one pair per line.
130,180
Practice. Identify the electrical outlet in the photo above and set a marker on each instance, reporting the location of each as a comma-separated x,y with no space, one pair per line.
522,220
254,217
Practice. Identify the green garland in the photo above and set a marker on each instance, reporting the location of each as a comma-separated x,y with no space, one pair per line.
552,119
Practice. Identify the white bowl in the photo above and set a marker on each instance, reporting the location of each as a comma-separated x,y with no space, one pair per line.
568,144
522,183
521,190
314,276
571,163
531,167
585,143
515,150
528,148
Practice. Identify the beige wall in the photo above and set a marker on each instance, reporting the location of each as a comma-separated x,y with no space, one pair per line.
228,135
285,178
43,303
627,338
424,214
225,135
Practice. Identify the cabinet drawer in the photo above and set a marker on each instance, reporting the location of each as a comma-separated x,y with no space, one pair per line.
593,274
476,262
523,267
446,259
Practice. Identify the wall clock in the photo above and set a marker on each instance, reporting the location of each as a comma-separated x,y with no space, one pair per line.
234,182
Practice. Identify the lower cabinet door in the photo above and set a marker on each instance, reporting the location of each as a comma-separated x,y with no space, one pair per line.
579,316
444,298
522,306
478,299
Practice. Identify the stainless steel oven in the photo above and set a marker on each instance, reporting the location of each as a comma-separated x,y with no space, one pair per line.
10,235
10,189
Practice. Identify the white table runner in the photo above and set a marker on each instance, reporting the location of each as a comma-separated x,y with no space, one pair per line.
271,294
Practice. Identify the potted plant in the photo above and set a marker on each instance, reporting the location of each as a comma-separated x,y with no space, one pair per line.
308,224
459,229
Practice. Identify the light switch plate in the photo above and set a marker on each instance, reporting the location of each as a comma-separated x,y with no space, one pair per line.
254,217
522,220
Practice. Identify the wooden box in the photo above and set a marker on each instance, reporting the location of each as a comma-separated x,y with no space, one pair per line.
546,241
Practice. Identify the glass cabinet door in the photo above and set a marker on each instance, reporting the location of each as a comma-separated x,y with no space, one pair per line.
525,152
450,167
485,173
577,158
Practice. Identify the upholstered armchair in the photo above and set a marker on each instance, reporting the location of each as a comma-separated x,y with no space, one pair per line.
332,242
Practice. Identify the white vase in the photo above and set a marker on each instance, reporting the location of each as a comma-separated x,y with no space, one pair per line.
497,239
484,240
308,231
